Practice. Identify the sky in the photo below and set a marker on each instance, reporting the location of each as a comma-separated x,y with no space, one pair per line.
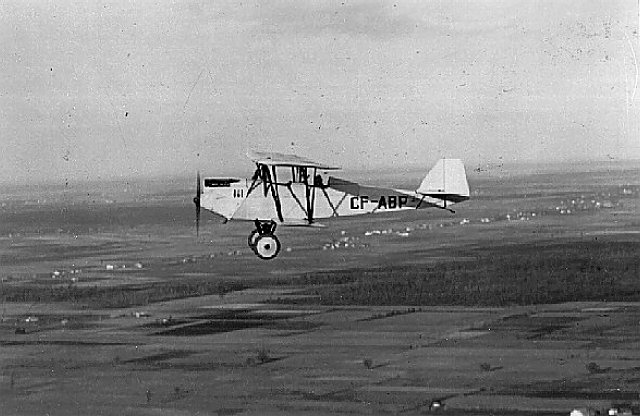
100,90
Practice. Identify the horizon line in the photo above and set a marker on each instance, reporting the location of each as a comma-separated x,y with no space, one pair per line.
406,167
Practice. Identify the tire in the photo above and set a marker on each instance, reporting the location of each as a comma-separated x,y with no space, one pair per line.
253,237
267,246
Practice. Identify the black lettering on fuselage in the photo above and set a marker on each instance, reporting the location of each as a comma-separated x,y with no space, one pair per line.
385,202
392,202
355,204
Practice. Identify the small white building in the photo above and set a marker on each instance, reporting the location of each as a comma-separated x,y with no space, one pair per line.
436,405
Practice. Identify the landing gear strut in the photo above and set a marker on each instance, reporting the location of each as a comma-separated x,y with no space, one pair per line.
262,240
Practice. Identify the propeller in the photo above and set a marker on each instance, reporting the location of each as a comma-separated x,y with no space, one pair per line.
196,201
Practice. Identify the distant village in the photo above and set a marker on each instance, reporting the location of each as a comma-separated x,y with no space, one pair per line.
568,206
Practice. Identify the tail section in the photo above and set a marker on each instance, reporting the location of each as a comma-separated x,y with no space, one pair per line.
447,181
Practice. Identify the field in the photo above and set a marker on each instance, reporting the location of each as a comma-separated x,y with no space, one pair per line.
526,301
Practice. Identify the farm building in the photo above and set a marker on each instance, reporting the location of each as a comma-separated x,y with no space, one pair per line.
584,411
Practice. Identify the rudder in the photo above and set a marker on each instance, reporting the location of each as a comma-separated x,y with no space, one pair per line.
447,180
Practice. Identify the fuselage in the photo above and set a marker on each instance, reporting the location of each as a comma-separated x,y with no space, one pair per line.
237,199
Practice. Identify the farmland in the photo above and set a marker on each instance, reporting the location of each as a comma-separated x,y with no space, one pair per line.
525,301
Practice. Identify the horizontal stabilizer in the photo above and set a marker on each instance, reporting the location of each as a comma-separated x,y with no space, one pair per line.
447,180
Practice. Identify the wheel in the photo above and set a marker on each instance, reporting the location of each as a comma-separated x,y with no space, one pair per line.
267,246
252,239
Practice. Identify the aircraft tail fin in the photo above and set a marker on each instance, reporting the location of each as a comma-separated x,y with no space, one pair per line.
447,181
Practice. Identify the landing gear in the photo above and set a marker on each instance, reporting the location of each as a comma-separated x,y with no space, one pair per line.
253,237
262,240
267,247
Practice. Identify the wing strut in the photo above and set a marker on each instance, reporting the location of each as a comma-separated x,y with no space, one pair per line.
255,180
274,192
333,208
300,174
310,192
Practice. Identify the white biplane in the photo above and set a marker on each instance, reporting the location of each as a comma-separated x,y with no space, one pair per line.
288,189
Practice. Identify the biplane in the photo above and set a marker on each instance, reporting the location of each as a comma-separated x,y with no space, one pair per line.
290,190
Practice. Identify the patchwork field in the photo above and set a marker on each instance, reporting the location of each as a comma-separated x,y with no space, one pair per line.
526,301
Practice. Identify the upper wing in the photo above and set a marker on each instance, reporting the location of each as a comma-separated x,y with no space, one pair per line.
282,159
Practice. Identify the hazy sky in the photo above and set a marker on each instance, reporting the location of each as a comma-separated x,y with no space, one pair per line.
123,88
